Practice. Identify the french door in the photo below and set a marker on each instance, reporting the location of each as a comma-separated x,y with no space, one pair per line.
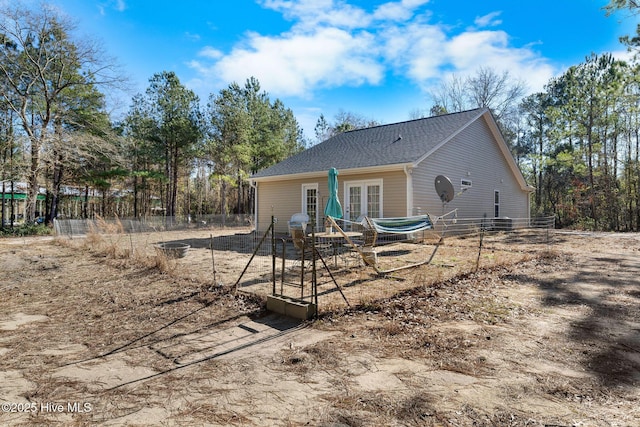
363,198
310,201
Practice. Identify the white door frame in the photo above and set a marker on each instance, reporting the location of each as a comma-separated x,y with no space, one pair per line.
310,186
363,185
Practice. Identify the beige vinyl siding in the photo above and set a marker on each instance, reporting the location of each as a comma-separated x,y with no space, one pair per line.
471,155
283,198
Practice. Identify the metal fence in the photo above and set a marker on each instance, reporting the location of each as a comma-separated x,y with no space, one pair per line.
285,267
79,227
462,226
231,252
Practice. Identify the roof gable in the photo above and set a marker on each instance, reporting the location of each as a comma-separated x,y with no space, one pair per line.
397,143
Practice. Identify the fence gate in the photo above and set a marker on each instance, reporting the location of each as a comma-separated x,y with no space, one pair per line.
294,265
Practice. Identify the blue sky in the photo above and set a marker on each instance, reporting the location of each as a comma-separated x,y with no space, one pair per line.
378,59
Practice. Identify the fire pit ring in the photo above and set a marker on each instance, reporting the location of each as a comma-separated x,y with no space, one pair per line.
172,249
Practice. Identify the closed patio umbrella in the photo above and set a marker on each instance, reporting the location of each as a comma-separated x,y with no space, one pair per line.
333,207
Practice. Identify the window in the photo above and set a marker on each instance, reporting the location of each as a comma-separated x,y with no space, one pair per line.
465,183
496,203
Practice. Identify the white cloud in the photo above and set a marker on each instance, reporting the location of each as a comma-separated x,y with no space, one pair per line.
488,20
210,52
393,11
295,64
120,5
117,5
191,36
320,12
416,50
624,55
471,50
332,43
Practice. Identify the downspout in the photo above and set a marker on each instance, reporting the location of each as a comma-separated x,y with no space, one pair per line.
408,169
254,185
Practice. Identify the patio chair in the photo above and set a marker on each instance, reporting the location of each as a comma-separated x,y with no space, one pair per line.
298,220
365,244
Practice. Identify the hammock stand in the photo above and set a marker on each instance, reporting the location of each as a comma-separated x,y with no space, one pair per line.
400,225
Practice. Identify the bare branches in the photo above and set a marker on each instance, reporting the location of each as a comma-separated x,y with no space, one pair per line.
49,78
486,88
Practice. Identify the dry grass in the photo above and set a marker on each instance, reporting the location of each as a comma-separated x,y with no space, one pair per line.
208,413
108,242
364,409
121,300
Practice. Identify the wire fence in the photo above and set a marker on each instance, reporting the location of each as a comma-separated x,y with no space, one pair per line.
472,243
80,227
263,264
462,226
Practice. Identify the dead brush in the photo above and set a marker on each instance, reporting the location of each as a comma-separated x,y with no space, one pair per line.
94,239
303,360
389,328
416,410
163,263
296,361
104,238
490,310
361,409
106,227
548,255
208,412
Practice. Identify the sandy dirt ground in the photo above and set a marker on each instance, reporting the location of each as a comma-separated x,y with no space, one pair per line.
104,331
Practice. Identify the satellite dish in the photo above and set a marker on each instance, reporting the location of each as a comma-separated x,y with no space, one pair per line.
444,188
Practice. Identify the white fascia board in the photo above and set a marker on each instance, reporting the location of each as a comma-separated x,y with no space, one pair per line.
343,172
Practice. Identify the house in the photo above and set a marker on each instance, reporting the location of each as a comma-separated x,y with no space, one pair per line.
389,171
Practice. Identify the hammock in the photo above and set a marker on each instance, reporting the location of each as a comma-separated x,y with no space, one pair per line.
401,225
391,225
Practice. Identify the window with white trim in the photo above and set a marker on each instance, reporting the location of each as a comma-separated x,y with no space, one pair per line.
496,203
310,201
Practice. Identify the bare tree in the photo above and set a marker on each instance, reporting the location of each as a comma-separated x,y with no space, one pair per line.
450,96
486,88
499,92
344,122
40,66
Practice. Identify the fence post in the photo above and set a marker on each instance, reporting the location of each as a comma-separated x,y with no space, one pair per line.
480,248
273,255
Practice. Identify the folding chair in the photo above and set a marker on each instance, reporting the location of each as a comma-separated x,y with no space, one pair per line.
365,244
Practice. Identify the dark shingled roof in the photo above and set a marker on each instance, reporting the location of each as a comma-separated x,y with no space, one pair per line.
403,142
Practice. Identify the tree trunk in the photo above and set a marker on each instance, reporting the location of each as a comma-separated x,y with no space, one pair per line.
239,204
2,207
32,181
174,180
223,200
135,196
58,170
86,202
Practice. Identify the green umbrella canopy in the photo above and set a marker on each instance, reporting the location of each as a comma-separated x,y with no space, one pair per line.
333,207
